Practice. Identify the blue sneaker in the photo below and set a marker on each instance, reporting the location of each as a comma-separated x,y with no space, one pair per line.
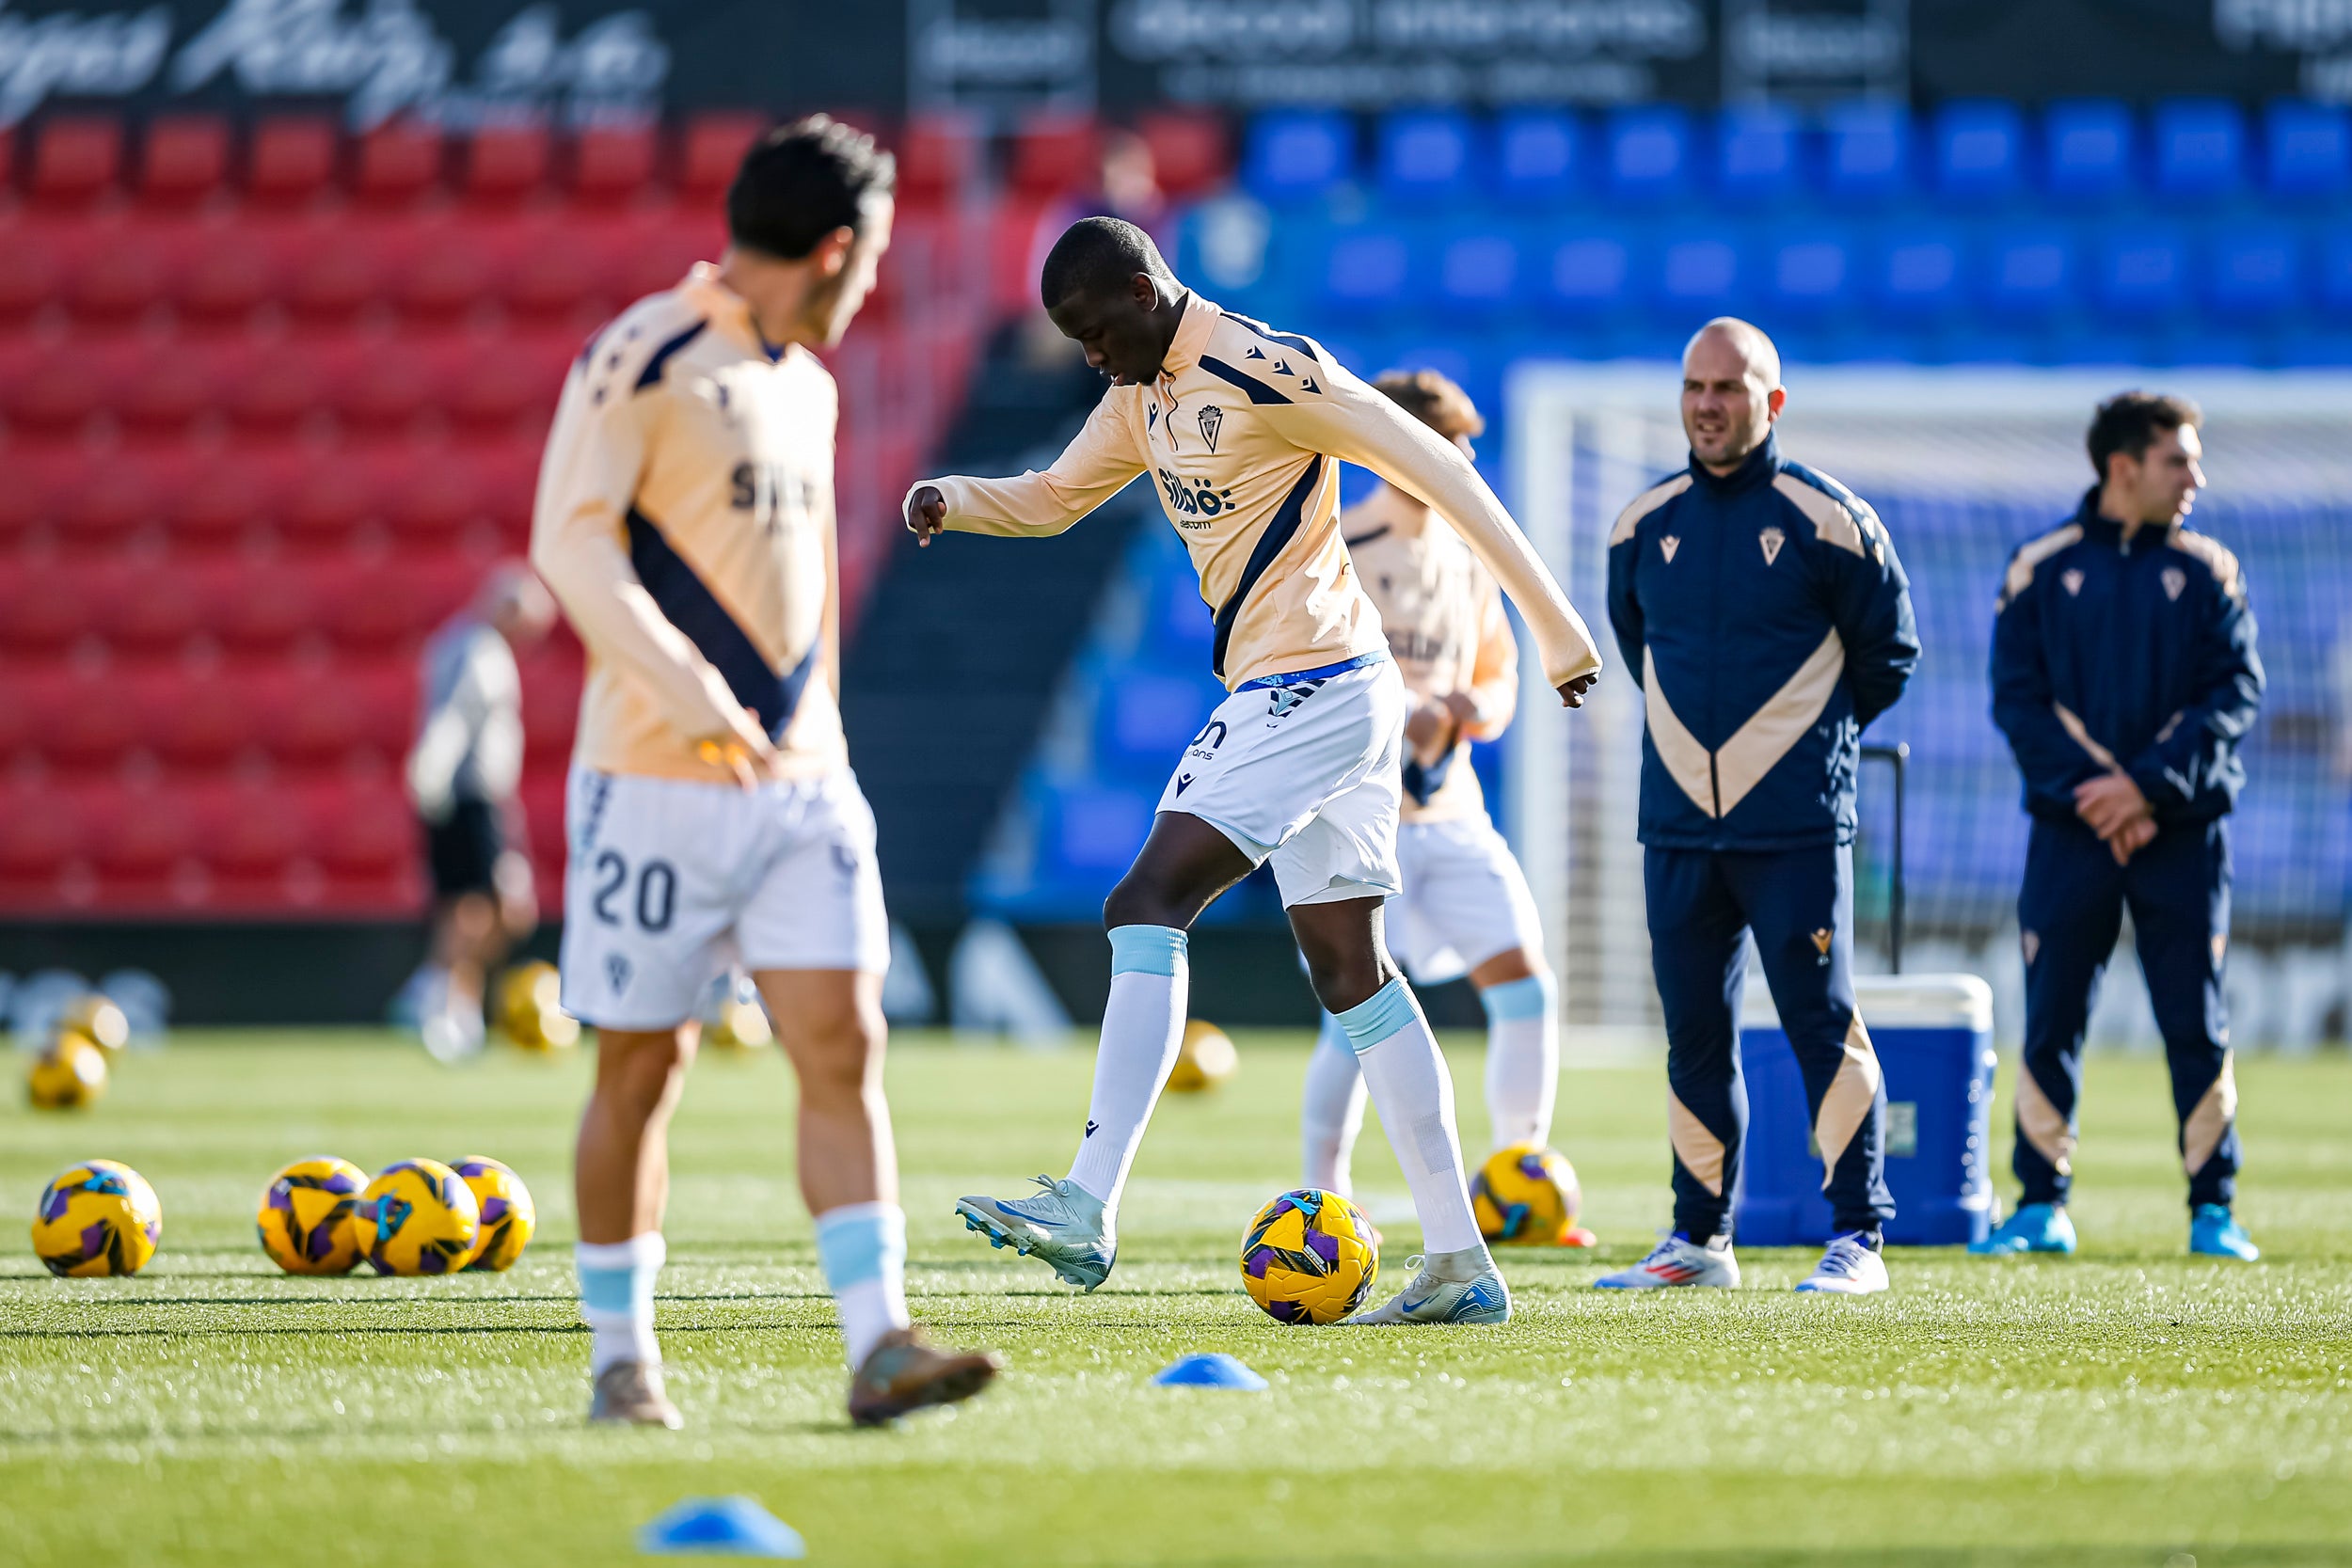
2215,1232
1063,1225
2035,1228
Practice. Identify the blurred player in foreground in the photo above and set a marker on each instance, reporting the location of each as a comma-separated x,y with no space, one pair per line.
463,773
1242,429
2124,675
686,521
1761,607
1465,899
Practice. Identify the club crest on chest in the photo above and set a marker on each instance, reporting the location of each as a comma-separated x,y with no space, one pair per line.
2072,580
1772,539
1667,545
1211,418
2176,582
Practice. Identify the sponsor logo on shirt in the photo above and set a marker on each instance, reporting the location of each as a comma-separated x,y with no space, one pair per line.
1187,498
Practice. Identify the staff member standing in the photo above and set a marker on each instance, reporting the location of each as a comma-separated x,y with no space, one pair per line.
2124,675
1761,607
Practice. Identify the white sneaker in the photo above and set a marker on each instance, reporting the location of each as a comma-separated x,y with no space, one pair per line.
1851,1267
1434,1298
1678,1260
1064,1226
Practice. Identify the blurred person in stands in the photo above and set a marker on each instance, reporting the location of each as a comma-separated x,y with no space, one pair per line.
463,774
2124,675
1127,186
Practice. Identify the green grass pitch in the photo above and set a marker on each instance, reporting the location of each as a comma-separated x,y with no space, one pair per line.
2128,1406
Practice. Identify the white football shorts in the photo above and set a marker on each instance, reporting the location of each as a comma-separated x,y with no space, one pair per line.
1302,770
1465,899
670,883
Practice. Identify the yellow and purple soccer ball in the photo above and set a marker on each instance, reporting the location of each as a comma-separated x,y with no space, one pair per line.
508,1216
531,1008
1527,1196
69,1074
308,1219
96,1018
1204,1058
99,1217
417,1217
1310,1258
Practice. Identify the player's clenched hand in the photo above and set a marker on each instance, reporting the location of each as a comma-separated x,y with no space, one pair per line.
1572,692
1430,731
927,513
2109,804
2135,836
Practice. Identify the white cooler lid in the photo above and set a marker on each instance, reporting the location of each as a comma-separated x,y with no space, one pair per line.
1895,1002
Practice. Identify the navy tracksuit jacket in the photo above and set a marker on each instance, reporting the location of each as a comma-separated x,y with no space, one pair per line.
2134,655
1768,621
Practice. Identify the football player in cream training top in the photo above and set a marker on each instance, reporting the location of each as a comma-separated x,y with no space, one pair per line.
685,522
1466,906
1242,429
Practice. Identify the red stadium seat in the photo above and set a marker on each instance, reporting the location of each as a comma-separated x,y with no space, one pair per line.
714,149
38,251
505,163
150,603
398,164
1189,150
938,158
186,158
451,261
201,718
362,828
57,387
42,831
612,163
390,605
68,712
125,264
335,266
231,491
233,263
508,378
324,713
42,477
256,605
1056,152
381,383
171,382
251,829
292,160
112,491
439,489
277,384
77,159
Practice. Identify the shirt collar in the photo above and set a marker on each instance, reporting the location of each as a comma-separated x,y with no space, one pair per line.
2097,524
1762,465
729,311
1192,336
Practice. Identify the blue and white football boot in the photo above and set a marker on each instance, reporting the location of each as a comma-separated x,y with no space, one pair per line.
1678,1260
1063,1226
2035,1228
1851,1267
2215,1232
1451,1288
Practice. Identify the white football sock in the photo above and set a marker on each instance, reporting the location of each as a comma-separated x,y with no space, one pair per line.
1522,1058
616,1280
1333,1112
1408,1079
1143,1023
864,1248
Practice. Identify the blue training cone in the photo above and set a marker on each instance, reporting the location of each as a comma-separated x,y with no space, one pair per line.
1215,1369
720,1526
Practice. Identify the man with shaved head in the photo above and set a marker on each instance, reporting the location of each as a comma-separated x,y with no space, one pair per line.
1760,605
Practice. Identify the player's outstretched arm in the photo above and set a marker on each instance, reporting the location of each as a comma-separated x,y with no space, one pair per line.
1349,420
586,483
1100,461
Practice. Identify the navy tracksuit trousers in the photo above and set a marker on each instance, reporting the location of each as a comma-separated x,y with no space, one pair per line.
2069,914
1799,903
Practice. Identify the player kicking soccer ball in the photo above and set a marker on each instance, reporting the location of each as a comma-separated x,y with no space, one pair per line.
1242,429
684,521
1466,906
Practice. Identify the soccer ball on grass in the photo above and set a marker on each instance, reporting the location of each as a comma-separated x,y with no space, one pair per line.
308,1219
1527,1196
69,1074
96,1218
417,1217
1204,1059
508,1216
1310,1258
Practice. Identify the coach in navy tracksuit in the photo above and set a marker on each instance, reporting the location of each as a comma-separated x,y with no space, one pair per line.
1763,608
2124,675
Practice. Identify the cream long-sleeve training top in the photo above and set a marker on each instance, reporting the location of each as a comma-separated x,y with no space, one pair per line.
1447,632
685,522
1243,430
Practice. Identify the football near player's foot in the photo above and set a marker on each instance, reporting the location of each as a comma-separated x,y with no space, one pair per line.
1852,1266
1451,1288
907,1373
2215,1232
629,1393
2035,1228
1063,1227
1678,1260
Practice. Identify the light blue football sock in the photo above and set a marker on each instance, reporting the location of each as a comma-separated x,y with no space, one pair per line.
616,1281
863,1249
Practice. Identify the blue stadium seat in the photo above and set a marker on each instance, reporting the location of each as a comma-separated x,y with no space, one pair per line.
2310,150
1144,720
2029,271
2142,271
1298,154
1366,269
1180,629
1870,152
1980,149
1650,153
2335,271
1699,274
1919,272
1591,271
2087,147
1425,153
1537,154
1089,830
1479,271
1758,152
2200,146
2256,271
1810,270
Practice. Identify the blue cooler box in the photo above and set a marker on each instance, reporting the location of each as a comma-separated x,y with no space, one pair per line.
1933,1034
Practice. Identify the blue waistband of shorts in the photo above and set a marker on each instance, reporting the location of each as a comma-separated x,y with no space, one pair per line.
1293,677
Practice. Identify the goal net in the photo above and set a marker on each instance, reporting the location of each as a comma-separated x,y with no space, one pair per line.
1962,465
